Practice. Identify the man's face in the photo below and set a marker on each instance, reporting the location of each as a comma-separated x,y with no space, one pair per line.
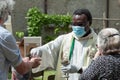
80,20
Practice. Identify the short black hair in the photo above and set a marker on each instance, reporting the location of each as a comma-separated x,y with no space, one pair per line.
84,11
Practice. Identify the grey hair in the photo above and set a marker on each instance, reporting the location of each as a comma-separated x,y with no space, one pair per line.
6,5
109,40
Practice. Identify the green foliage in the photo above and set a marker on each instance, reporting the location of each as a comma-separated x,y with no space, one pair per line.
19,34
34,22
38,22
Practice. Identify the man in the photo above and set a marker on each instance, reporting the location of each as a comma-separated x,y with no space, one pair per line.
9,52
70,53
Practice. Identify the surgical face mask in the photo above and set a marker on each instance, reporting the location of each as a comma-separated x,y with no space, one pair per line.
78,31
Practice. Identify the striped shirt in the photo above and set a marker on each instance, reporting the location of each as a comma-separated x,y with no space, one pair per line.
9,53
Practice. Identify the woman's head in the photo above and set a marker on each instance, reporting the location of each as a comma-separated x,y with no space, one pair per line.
109,40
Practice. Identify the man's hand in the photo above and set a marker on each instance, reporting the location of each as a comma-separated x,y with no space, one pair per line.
26,59
27,64
69,69
35,61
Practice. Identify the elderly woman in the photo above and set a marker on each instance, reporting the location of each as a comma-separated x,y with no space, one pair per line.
106,63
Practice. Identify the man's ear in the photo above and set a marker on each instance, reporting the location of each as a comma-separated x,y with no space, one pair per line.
88,23
87,28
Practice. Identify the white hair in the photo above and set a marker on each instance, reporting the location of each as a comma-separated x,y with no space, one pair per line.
6,5
109,40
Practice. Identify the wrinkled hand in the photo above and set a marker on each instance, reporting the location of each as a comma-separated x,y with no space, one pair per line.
69,69
35,61
36,52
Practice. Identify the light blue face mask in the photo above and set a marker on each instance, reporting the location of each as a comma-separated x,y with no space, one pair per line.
78,31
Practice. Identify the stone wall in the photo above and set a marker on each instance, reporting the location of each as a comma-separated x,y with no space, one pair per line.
97,7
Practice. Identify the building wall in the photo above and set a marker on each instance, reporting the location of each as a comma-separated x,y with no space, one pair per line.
98,8
21,7
114,12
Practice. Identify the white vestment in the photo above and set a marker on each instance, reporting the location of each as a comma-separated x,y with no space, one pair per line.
57,51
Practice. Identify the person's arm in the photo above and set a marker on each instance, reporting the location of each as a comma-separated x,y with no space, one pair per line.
26,65
93,70
50,47
49,53
12,54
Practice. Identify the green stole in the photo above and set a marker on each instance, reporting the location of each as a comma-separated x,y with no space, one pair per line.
71,48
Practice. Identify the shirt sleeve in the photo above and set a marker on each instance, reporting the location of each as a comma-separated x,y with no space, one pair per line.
10,50
50,52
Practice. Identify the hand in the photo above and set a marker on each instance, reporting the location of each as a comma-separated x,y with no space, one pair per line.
98,53
36,52
26,59
35,61
69,69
